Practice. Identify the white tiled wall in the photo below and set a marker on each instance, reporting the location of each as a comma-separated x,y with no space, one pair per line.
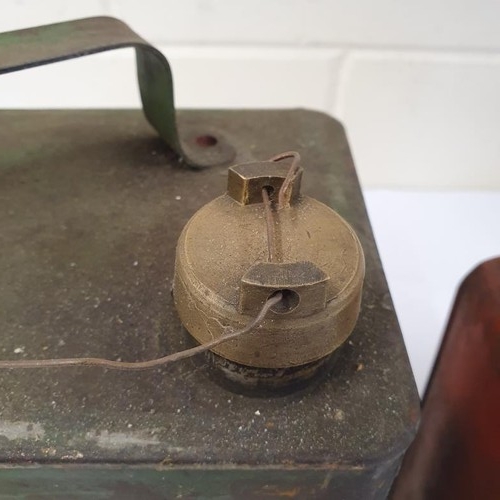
416,83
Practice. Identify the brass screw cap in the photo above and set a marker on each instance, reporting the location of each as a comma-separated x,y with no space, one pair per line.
223,272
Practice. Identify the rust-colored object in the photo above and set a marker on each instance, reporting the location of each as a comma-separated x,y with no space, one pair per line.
456,453
227,267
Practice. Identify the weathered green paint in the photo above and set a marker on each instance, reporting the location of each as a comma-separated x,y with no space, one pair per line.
136,482
53,34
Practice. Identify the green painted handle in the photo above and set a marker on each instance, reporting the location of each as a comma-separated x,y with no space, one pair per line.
32,47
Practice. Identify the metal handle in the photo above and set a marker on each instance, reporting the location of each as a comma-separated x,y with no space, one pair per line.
32,47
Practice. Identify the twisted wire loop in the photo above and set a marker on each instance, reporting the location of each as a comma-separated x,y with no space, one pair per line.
271,237
284,196
285,192
153,363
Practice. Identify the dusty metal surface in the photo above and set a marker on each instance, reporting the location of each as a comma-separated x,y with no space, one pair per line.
42,45
92,205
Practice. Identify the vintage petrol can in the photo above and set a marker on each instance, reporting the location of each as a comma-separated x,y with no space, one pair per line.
93,203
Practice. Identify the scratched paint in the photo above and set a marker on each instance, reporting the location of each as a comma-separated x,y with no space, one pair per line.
21,430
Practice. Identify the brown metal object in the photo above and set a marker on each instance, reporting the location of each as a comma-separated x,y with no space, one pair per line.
224,273
456,453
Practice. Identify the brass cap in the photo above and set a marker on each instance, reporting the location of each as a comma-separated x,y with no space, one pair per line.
223,275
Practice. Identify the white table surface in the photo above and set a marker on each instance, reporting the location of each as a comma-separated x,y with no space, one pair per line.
429,241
